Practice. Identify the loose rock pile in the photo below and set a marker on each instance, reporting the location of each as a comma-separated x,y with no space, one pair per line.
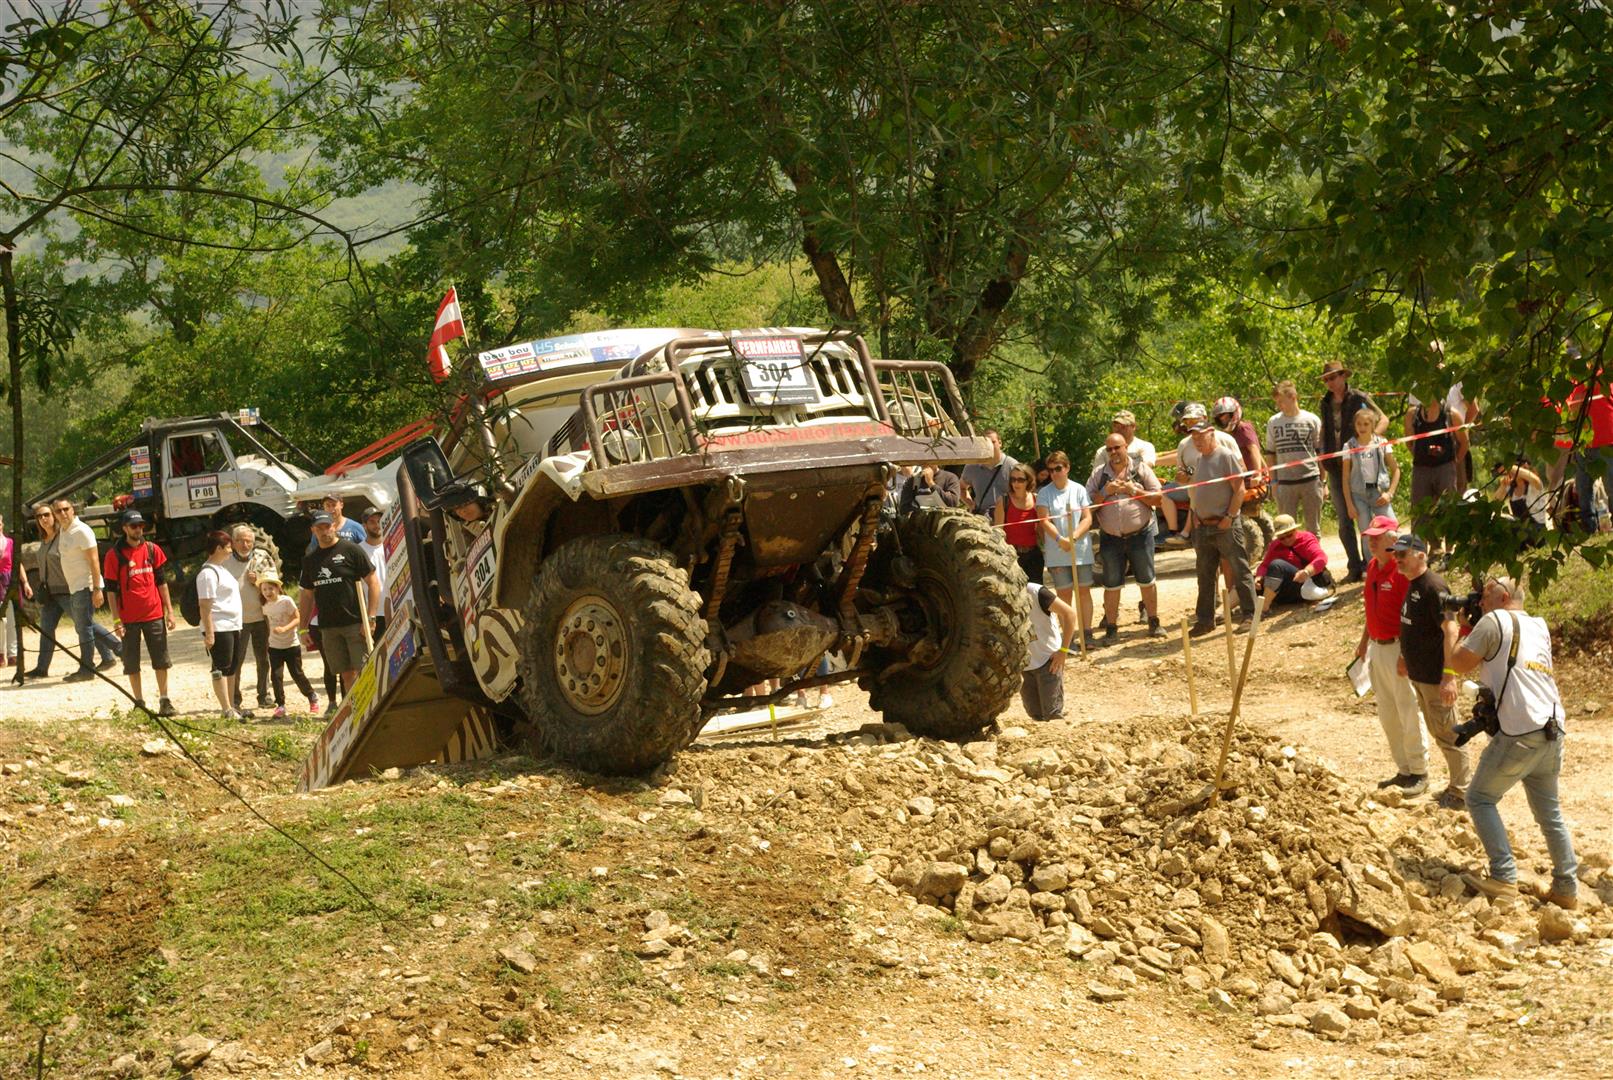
1297,897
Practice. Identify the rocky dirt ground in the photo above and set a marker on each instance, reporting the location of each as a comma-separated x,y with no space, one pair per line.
831,899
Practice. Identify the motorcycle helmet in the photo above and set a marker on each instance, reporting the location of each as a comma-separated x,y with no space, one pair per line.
1225,405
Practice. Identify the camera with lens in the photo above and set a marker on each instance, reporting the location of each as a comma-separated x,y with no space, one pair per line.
1469,607
1485,719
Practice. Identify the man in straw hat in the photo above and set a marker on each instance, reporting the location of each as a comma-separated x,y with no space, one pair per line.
1337,408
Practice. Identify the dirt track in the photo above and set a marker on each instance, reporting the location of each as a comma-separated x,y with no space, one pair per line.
762,843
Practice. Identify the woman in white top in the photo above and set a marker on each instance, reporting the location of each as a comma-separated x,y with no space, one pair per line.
220,600
1371,472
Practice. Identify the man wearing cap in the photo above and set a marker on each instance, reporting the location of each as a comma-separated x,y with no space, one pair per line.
984,486
1294,559
1184,458
1215,538
331,579
1124,424
346,527
1384,595
1293,437
1422,660
1337,408
133,570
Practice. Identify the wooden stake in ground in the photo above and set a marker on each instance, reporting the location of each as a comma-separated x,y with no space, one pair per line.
1237,702
1232,649
1187,662
1075,572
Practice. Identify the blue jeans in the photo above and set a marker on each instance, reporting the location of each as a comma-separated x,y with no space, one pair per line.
1136,550
1534,760
1585,483
1355,552
92,636
50,614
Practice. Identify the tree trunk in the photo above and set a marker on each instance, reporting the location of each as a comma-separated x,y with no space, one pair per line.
980,330
8,287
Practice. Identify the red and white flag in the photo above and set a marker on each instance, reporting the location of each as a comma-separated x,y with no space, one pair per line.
449,326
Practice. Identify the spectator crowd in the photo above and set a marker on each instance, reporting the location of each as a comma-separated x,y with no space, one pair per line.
242,606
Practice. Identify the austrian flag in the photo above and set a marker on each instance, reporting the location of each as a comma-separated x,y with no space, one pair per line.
449,326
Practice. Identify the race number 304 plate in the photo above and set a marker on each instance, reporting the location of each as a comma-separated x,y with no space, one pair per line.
774,371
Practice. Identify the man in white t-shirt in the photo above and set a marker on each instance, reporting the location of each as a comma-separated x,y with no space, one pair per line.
374,548
1042,691
1141,451
1511,651
1293,440
81,564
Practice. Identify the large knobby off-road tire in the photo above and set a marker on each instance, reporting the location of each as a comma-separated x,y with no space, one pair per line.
973,596
1252,538
613,655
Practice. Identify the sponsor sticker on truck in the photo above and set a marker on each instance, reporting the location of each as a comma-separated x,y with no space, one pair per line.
203,490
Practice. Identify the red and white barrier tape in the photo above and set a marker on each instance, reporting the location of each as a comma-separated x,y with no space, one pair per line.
1272,470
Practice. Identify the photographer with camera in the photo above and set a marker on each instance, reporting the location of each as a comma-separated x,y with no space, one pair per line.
1422,659
1520,708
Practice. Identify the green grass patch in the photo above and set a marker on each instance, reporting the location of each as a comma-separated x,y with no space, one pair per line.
1580,595
557,891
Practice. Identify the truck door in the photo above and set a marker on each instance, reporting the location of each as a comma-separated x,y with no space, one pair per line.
198,475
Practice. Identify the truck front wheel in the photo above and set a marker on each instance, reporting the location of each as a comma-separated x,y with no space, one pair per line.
613,659
976,612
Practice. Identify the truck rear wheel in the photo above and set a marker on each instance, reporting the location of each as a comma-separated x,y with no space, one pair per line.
613,658
973,597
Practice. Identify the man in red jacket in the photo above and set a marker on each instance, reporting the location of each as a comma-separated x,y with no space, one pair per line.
1294,559
133,568
1380,645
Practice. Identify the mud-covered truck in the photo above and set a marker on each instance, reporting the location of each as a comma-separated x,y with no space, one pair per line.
624,532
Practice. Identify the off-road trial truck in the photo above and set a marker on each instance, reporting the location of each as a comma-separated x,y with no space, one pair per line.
624,532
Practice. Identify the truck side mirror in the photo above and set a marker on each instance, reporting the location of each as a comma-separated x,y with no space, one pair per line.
433,479
428,469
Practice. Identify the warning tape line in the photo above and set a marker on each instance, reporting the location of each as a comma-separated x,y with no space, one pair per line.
1269,470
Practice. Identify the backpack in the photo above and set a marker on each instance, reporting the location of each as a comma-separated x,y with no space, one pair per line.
190,605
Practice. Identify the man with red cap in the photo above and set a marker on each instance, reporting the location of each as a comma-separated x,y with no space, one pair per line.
1380,644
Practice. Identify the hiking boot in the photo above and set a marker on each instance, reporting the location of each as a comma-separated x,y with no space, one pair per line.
1397,780
166,708
1202,628
108,664
1450,800
79,676
1109,630
1154,628
265,702
245,714
35,673
1414,785
1092,640
1489,886
1566,901
140,703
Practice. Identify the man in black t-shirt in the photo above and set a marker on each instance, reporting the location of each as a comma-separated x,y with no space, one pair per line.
331,577
1422,660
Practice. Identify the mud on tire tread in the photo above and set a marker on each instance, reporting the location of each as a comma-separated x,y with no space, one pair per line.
658,711
982,667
